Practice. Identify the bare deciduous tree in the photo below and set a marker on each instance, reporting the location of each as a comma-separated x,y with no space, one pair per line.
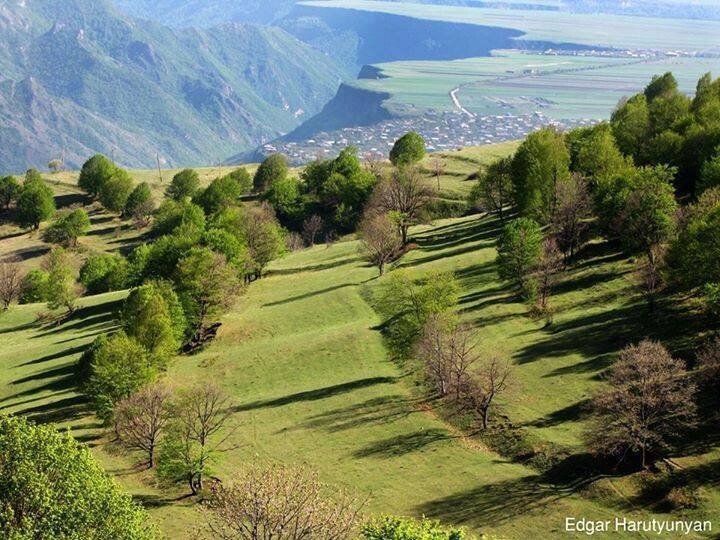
373,164
649,402
280,503
402,196
569,219
141,418
651,274
380,241
547,273
11,278
493,191
311,228
199,430
480,390
438,168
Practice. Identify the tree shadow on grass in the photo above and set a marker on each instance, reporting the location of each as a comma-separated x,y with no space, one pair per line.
315,395
375,411
472,232
62,410
55,356
70,199
311,294
572,413
86,318
403,444
313,267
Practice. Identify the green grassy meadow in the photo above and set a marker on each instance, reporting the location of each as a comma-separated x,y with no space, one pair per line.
312,383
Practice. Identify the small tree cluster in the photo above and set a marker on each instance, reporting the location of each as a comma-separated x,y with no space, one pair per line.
67,228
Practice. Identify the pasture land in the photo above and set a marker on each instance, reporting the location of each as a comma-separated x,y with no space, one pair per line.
304,360
517,83
601,30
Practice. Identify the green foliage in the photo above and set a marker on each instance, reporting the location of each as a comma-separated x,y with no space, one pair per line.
95,173
153,316
34,287
519,251
52,487
66,228
242,178
695,253
710,173
9,191
639,207
35,204
33,176
661,86
172,214
406,305
712,298
184,184
105,272
407,150
206,284
493,190
273,169
60,289
221,193
140,201
400,528
115,191
164,254
284,196
235,251
117,367
540,163
631,125
595,154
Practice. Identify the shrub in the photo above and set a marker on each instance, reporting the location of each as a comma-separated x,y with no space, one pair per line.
66,229
273,169
400,528
115,191
35,204
52,487
105,272
408,149
34,287
184,184
172,215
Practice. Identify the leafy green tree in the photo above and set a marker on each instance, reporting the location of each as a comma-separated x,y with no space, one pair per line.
153,316
35,204
641,207
115,191
631,126
695,252
105,272
661,86
520,249
9,191
408,150
60,289
235,251
95,172
33,176
400,528
140,204
34,287
597,155
284,196
163,256
52,487
406,304
258,228
541,162
67,228
172,214
221,193
117,367
184,184
710,173
207,286
273,169
242,177
493,191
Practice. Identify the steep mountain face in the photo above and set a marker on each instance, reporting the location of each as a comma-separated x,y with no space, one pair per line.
77,77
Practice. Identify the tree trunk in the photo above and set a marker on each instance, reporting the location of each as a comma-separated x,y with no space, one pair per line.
381,267
404,234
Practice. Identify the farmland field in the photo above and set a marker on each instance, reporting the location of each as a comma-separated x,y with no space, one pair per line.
615,31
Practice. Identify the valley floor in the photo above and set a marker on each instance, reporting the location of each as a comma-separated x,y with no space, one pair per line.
312,383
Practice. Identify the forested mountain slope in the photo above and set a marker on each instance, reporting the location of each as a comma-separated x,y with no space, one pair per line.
78,77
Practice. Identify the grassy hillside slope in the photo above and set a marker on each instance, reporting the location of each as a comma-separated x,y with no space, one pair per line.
312,383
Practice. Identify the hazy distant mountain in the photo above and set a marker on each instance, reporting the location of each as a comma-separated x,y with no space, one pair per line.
77,77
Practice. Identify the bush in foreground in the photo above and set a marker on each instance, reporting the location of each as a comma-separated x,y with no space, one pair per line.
51,487
399,528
